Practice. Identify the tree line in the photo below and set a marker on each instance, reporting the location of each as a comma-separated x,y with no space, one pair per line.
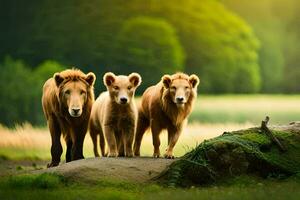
231,49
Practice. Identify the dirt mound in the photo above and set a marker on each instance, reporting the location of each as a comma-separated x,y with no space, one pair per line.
266,152
140,170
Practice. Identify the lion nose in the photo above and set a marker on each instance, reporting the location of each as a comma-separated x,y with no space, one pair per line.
123,100
76,110
179,99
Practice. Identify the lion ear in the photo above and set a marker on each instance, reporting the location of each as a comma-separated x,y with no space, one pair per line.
194,80
135,78
90,78
109,78
58,79
166,80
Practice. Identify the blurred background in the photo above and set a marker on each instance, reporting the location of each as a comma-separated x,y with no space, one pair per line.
235,46
246,53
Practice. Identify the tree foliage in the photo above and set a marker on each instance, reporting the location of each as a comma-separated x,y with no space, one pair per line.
276,24
149,46
87,34
21,91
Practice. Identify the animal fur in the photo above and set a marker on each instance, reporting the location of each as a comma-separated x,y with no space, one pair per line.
166,106
67,102
114,115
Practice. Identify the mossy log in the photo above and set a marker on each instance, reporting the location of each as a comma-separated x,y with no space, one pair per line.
251,151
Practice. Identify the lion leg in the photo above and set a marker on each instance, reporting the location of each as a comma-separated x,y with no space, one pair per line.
120,144
128,137
56,148
173,135
102,143
93,134
142,126
69,149
111,141
156,129
77,148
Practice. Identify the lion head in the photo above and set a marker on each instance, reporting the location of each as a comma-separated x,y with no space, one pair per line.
121,88
74,89
180,87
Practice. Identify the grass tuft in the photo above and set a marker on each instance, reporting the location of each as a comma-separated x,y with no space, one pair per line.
43,181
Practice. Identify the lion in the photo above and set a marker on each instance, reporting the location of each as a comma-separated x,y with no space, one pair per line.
114,115
166,105
67,102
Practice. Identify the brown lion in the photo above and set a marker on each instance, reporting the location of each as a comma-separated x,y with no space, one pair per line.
166,106
67,102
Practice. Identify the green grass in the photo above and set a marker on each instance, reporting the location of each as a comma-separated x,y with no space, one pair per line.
31,154
47,186
246,108
208,109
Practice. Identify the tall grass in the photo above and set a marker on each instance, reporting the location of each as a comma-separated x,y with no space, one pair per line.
246,108
211,117
30,143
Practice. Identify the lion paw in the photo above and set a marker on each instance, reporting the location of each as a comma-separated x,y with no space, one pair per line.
169,156
112,154
104,155
156,155
129,154
49,165
137,154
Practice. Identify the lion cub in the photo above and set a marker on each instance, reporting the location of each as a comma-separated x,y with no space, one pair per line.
114,115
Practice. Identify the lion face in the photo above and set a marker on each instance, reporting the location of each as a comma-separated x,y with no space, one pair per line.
180,87
73,93
121,88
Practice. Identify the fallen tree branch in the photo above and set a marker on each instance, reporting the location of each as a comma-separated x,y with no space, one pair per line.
268,132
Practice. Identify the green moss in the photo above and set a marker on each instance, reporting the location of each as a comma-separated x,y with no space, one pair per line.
236,153
259,138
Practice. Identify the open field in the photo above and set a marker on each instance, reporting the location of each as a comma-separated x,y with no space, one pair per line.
26,142
27,148
246,108
211,117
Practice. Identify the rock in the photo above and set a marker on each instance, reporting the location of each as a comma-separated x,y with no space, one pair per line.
140,170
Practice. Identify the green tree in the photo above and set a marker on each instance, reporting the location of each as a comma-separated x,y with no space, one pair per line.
46,70
149,46
218,46
42,73
19,93
216,43
276,24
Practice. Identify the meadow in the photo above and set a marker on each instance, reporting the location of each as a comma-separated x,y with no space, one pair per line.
246,108
211,117
25,147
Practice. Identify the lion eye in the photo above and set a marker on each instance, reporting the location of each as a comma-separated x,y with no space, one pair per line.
82,92
173,88
67,92
186,87
129,87
116,87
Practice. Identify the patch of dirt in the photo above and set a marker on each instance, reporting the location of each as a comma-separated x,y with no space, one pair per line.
137,169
